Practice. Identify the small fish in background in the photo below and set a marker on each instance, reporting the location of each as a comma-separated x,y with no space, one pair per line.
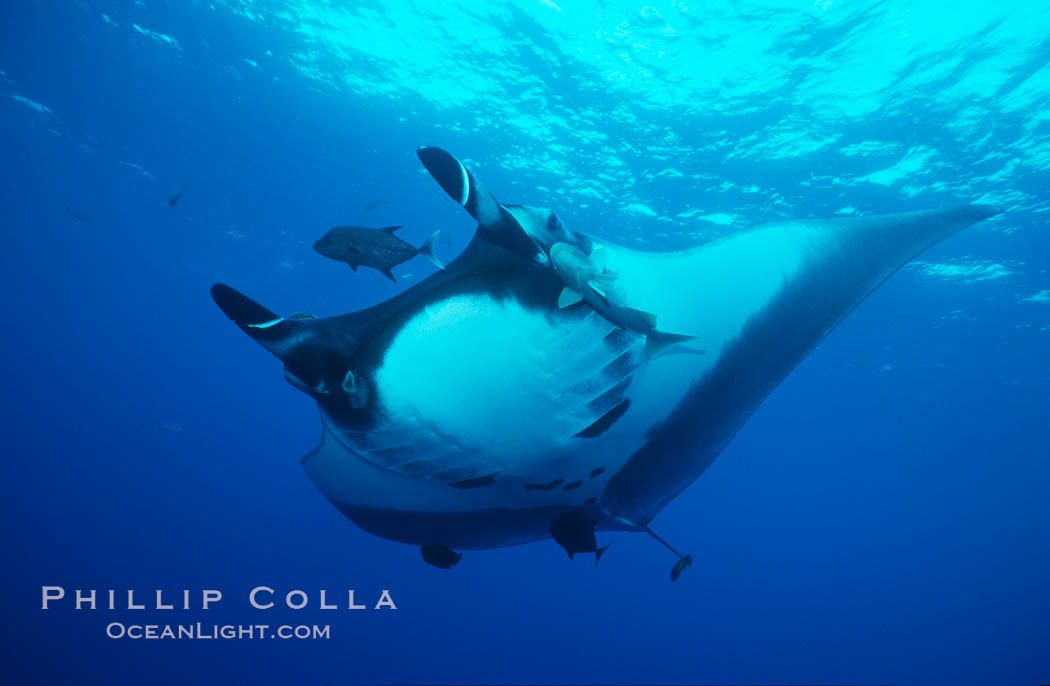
79,215
373,204
376,248
174,198
173,428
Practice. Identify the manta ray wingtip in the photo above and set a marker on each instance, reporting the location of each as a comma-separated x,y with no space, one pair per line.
971,214
989,210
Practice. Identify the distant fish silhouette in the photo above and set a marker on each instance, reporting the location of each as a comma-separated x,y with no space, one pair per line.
378,202
79,215
173,199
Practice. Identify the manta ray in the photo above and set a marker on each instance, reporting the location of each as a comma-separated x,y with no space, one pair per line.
471,411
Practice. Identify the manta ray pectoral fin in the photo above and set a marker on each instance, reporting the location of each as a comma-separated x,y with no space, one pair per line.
657,342
499,225
816,271
390,229
568,298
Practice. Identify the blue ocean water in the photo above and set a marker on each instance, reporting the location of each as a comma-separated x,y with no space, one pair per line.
883,518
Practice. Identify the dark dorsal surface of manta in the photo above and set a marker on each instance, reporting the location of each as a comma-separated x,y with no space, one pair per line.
471,411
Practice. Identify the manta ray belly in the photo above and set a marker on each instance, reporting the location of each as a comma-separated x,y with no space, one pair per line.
490,403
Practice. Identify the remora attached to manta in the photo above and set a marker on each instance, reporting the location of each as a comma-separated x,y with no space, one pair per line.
471,411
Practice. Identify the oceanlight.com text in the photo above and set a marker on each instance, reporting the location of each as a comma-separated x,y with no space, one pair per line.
201,631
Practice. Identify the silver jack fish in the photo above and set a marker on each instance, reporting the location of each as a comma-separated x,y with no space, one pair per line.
376,248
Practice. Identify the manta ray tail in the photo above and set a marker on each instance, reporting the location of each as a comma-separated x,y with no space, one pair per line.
427,250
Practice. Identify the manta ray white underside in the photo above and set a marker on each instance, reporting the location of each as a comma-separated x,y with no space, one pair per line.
470,411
